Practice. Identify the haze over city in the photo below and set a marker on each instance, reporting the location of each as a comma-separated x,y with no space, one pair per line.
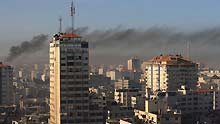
109,62
159,26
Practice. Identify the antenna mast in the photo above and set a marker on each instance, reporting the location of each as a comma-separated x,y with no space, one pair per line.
60,20
72,15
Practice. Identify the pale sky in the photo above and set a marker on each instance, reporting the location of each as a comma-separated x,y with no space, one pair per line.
22,19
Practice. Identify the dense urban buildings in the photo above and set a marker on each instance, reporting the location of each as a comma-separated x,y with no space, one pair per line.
110,94
167,89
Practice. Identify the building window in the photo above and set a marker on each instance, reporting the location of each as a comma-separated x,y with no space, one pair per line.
70,57
84,45
195,98
63,64
183,99
70,63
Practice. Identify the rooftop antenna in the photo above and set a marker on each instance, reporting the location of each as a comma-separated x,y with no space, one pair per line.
60,20
72,13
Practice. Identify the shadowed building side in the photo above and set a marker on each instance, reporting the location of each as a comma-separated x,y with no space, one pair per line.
6,84
69,71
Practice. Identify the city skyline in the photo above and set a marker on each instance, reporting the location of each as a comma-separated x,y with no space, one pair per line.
109,62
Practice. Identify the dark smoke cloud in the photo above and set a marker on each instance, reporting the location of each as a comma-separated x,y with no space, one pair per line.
122,43
153,36
116,45
27,48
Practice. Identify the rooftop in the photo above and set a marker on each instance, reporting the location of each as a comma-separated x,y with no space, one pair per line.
172,59
69,35
3,65
66,35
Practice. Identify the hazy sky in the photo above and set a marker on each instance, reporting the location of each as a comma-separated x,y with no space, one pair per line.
21,19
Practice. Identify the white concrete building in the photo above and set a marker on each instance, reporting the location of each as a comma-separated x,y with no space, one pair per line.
134,64
123,96
126,84
114,74
170,72
102,71
20,74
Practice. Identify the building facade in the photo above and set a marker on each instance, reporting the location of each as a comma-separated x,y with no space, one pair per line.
170,73
194,105
69,71
134,64
123,96
6,84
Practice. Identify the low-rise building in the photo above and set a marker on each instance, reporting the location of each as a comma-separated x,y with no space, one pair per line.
117,112
123,96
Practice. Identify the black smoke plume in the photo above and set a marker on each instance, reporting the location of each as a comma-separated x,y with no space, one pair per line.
116,45
27,47
110,46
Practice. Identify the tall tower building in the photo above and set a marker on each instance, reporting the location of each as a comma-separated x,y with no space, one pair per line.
170,72
6,84
69,71
134,64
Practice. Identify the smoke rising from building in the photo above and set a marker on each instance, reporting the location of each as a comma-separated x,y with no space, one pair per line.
26,48
117,44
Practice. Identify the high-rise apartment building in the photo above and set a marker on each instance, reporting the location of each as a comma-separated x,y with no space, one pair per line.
6,84
134,64
69,71
170,72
